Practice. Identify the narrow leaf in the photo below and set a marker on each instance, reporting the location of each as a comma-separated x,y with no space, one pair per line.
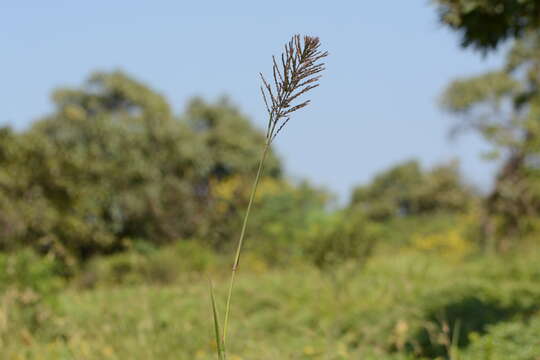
220,349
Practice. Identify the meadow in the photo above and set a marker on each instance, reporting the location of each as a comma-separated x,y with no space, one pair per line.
408,306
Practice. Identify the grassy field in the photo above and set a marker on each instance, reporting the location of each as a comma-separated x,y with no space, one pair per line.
401,307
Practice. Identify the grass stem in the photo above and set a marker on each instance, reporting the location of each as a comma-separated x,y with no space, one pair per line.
241,239
297,74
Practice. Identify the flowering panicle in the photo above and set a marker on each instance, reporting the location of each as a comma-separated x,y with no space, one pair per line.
295,74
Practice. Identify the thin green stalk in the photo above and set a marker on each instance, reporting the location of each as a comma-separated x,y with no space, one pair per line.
241,239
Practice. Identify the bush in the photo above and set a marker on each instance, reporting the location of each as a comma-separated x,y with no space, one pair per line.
29,284
449,237
26,270
340,237
517,340
158,266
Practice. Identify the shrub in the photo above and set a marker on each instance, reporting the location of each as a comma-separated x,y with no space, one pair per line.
517,340
26,270
340,237
29,284
162,266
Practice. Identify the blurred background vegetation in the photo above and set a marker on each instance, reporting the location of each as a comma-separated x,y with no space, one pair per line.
114,210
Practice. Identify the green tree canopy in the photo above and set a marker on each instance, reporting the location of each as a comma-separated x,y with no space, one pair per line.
406,190
112,164
504,107
484,24
233,143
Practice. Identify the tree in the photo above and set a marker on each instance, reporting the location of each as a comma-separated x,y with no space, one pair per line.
232,149
484,24
234,144
407,190
112,164
504,106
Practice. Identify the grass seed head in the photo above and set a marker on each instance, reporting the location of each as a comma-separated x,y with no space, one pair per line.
295,73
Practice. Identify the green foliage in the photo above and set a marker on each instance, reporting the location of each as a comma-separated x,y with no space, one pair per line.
25,270
283,225
166,265
486,103
101,166
484,24
490,89
217,329
513,340
406,190
341,237
401,307
29,285
234,146
112,164
503,106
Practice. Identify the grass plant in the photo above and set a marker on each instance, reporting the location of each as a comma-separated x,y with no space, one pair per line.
294,74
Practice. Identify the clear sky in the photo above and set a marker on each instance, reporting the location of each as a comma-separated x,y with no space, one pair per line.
377,103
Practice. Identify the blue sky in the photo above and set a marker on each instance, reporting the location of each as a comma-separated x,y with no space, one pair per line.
377,104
